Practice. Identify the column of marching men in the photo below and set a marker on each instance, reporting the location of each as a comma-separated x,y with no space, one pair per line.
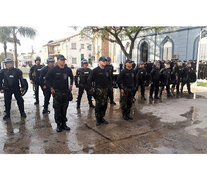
57,80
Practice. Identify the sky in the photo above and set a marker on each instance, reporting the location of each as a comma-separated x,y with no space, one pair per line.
44,34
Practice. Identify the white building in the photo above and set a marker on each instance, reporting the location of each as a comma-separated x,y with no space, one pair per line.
74,48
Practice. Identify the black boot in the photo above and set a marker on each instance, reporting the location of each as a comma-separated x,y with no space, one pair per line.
23,115
125,117
78,105
143,98
59,127
65,127
45,111
91,105
151,98
7,116
129,117
156,97
98,122
104,121
37,102
113,103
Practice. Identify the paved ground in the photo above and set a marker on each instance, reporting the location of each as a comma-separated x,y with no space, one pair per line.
175,125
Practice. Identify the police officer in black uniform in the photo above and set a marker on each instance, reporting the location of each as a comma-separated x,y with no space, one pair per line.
34,76
46,90
140,73
127,83
186,78
99,82
155,81
109,67
57,81
165,79
81,79
10,78
177,72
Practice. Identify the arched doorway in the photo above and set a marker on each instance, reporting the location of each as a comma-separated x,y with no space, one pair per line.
203,49
167,50
144,52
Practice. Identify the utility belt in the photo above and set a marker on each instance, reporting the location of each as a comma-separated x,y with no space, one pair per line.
63,93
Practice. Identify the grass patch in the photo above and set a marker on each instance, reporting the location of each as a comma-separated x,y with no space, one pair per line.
204,84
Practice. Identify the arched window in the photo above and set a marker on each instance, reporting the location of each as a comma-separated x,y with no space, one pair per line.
167,50
144,52
203,49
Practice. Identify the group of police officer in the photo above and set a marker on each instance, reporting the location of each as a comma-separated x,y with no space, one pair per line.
98,83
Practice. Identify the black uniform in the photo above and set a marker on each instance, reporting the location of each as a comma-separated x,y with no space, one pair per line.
186,79
81,79
141,78
100,78
110,69
10,80
177,71
34,75
46,92
127,81
57,78
165,80
155,79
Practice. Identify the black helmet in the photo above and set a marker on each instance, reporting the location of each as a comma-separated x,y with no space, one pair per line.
84,61
108,58
50,59
37,58
8,60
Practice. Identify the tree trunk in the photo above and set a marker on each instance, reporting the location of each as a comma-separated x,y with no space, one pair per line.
5,49
15,48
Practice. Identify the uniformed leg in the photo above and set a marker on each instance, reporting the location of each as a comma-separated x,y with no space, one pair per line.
36,87
20,102
89,97
152,89
129,103
188,87
7,102
182,85
64,107
156,90
47,95
80,94
178,88
100,108
161,90
168,90
57,101
142,89
111,95
123,102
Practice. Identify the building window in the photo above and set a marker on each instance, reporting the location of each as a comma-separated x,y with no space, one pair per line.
203,49
73,46
82,46
167,51
74,60
144,52
89,47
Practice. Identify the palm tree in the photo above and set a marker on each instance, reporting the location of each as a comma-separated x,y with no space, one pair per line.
5,38
22,31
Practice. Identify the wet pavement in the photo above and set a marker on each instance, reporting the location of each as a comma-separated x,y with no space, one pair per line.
173,125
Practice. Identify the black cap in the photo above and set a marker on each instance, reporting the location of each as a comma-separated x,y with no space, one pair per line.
61,57
129,61
102,58
8,60
108,58
50,59
37,58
